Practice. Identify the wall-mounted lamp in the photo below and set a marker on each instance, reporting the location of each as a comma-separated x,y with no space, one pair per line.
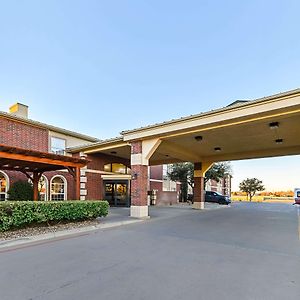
198,138
279,141
217,149
134,176
274,125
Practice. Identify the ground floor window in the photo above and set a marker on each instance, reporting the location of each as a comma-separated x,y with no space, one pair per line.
43,188
58,188
3,186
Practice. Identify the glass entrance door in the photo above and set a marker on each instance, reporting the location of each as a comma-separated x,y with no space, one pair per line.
116,193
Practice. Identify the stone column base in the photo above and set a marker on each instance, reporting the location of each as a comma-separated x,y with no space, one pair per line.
198,205
140,212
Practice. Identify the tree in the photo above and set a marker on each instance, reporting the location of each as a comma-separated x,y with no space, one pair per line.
250,186
184,173
218,171
21,191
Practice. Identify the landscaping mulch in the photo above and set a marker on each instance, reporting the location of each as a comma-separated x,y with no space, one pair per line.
44,228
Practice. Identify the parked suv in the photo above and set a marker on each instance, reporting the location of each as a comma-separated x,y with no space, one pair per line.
216,198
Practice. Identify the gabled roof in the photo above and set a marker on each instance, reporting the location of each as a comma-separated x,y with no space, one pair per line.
115,140
49,127
214,111
237,102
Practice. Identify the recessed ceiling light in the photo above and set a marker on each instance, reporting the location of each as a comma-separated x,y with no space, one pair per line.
279,141
198,138
217,149
274,125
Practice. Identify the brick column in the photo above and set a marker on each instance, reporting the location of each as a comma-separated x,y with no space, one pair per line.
139,182
199,193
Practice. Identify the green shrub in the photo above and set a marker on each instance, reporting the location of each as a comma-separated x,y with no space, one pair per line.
24,213
21,191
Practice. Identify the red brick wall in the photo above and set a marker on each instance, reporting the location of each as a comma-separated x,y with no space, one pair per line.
166,198
154,185
94,186
199,189
139,185
17,134
156,172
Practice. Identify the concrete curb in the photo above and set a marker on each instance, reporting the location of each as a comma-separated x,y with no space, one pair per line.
64,233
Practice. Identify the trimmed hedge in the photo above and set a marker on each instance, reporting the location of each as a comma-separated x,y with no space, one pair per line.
24,213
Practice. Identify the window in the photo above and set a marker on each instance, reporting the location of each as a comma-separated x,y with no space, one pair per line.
58,188
168,184
117,168
165,171
3,186
58,146
43,188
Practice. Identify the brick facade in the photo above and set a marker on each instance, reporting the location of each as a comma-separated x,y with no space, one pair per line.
199,195
139,196
17,134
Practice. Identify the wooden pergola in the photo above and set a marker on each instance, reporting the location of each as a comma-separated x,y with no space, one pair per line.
34,163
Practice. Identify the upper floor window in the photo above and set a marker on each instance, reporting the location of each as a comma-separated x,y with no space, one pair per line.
58,145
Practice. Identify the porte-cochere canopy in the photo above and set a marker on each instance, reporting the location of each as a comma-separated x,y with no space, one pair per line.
34,163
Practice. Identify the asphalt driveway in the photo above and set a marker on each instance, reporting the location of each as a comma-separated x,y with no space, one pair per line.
247,251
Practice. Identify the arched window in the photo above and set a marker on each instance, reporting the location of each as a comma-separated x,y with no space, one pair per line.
58,188
43,188
4,185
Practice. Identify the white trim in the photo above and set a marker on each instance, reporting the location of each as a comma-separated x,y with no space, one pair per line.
156,180
65,186
7,183
47,187
98,172
116,177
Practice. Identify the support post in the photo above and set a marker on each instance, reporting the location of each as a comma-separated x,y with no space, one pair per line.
199,184
35,182
77,183
141,151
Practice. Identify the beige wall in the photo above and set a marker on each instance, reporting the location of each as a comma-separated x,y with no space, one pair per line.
70,140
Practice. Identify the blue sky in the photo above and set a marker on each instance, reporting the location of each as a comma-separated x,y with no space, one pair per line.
99,67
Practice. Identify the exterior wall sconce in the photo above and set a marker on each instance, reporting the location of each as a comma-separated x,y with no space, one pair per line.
274,125
198,138
217,149
279,141
134,176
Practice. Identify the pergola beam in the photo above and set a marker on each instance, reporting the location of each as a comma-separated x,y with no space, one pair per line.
34,163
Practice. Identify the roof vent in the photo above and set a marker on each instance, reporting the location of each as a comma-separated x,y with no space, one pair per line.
19,110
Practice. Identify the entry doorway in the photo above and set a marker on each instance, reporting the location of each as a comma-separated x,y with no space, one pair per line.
117,192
